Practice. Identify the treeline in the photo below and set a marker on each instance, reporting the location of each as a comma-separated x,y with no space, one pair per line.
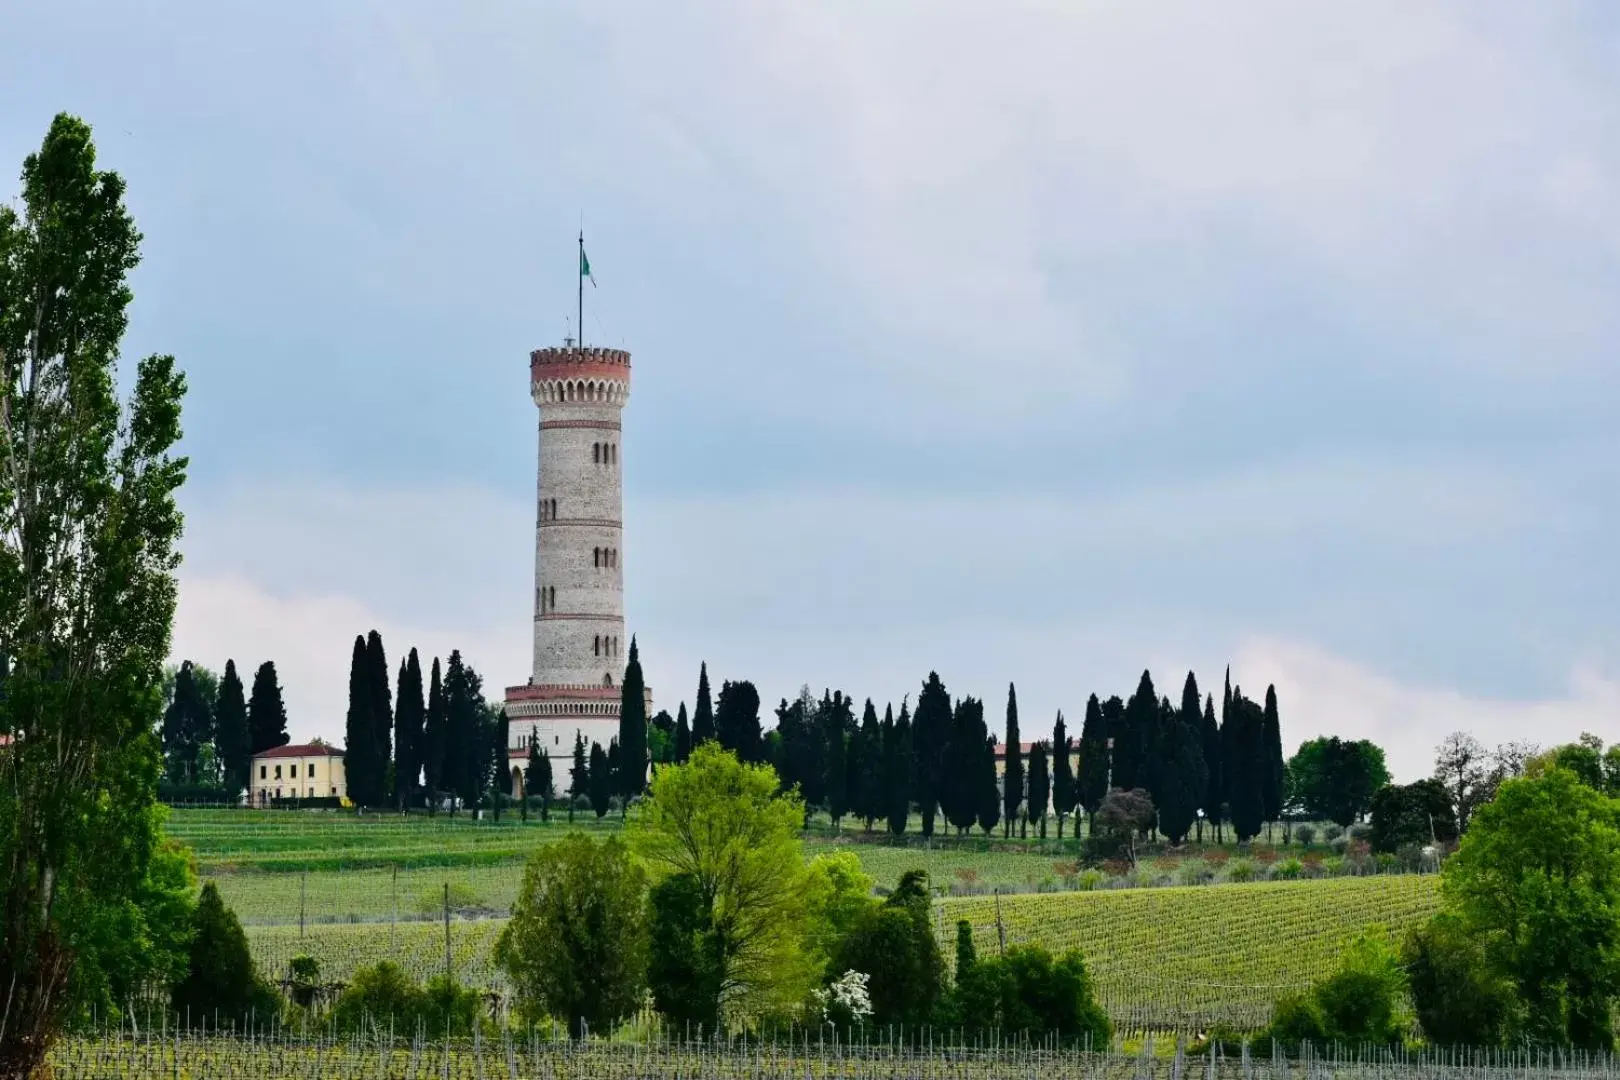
211,728
1188,764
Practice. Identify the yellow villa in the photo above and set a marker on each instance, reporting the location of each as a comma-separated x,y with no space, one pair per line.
304,771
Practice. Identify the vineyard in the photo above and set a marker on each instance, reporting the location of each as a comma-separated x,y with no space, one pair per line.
807,1057
1171,959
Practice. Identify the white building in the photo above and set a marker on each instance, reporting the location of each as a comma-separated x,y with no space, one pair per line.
580,644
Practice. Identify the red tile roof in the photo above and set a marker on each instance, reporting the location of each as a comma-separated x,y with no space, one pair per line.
300,750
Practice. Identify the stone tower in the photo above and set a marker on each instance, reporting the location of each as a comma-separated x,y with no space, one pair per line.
580,645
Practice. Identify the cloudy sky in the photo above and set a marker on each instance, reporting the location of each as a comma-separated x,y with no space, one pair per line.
1039,346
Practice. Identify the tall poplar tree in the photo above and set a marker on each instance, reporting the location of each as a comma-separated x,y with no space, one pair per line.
88,549
433,739
1063,787
1274,763
930,733
361,761
382,714
410,716
232,737
1040,787
1091,785
897,769
683,736
1212,765
267,713
633,728
736,721
960,792
873,766
1012,775
703,712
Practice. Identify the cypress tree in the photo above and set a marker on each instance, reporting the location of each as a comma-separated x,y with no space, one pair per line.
633,729
187,724
433,738
1012,775
703,714
1212,766
600,782
1185,776
1063,790
852,762
835,720
579,775
1228,767
1091,783
960,792
410,713
232,737
459,734
1243,749
683,736
930,734
537,782
1273,760
267,714
966,956
736,721
501,746
796,765
897,769
359,745
1132,745
1040,787
989,796
382,714
873,766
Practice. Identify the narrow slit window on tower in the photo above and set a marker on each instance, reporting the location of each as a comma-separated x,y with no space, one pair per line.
596,645
596,557
596,453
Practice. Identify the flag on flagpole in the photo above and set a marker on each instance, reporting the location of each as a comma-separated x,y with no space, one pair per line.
585,267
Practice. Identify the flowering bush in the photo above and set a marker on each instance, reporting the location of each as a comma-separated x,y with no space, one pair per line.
845,1002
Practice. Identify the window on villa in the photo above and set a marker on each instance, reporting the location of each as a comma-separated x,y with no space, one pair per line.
261,772
278,772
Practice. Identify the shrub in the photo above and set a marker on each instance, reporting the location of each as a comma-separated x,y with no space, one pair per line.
1306,834
1241,870
1296,1019
220,984
305,977
1026,992
1361,1001
1459,1001
381,996
1331,832
1339,845
1360,832
1287,870
1195,872
1090,880
1334,866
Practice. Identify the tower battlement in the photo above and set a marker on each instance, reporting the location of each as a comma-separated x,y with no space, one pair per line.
581,376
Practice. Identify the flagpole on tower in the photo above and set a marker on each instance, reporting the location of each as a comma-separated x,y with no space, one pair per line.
580,273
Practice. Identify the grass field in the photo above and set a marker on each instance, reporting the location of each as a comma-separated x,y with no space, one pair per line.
1163,959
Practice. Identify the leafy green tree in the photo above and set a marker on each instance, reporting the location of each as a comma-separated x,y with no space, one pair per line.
1419,813
434,736
873,766
1214,787
267,713
683,736
383,997
382,714
1012,774
1040,788
221,984
579,775
959,796
88,532
601,781
633,728
1064,794
894,945
1458,998
1537,879
727,825
1335,779
576,945
736,721
837,896
930,735
897,769
703,713
684,968
1027,993
188,726
362,763
231,734
410,715
1092,781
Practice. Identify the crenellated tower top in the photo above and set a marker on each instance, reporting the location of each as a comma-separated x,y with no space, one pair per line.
579,375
